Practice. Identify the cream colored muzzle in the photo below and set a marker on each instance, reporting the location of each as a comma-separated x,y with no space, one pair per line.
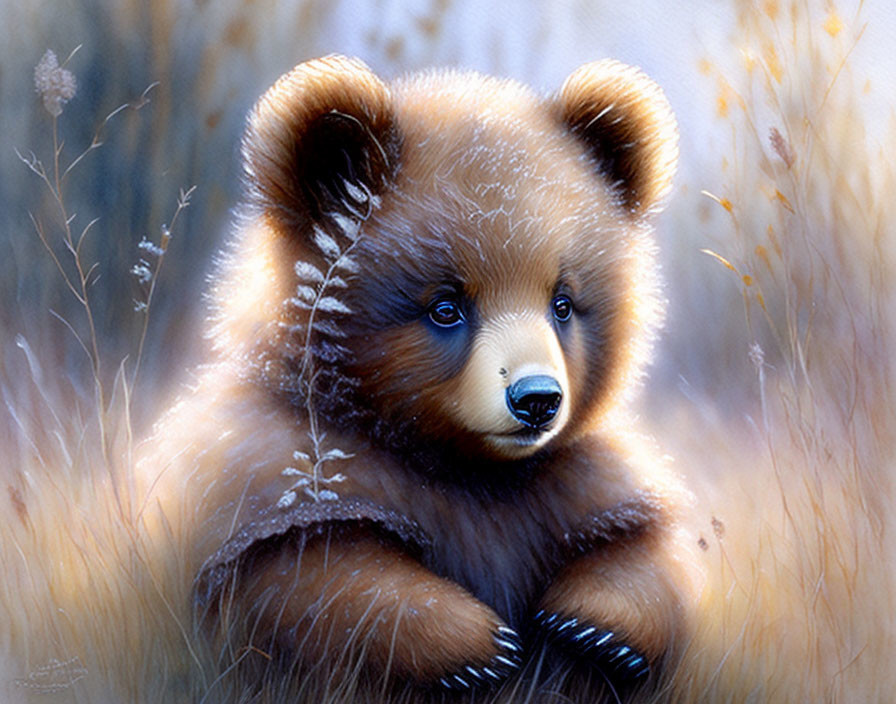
514,390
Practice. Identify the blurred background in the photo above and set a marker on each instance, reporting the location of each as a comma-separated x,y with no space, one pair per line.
195,68
772,385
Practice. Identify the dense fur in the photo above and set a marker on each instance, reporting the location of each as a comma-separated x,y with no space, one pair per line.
369,463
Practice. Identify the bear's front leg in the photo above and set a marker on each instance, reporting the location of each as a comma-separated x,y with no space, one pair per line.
620,606
344,588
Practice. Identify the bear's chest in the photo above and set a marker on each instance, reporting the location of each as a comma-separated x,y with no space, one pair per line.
503,542
504,550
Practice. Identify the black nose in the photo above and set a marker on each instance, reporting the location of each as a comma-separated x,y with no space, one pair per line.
534,400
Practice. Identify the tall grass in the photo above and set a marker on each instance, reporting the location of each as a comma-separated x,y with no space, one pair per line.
795,491
87,606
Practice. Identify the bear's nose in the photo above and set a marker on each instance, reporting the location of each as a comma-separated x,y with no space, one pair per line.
534,400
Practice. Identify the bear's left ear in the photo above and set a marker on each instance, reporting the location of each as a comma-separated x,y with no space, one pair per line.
626,122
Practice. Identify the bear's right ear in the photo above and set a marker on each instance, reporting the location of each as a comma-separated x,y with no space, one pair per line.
322,139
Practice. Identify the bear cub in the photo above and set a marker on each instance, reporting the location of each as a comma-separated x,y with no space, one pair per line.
411,444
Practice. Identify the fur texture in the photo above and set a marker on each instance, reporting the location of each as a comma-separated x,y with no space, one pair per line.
408,446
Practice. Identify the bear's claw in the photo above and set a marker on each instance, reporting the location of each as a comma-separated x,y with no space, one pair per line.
620,662
502,664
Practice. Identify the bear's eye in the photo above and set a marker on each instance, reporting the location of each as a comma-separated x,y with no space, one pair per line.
561,306
446,313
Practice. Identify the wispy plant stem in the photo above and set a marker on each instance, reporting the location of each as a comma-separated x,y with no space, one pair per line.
183,201
83,287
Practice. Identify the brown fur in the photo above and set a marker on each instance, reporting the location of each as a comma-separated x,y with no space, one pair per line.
447,535
387,602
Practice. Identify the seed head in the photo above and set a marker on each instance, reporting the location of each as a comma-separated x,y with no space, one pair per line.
782,147
55,84
757,355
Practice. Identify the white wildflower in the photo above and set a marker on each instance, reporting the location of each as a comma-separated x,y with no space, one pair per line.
142,271
287,499
328,304
306,293
349,226
326,327
335,454
326,243
356,192
309,273
347,264
757,355
150,248
55,84
299,303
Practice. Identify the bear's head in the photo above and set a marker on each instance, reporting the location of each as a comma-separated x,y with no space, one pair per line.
451,260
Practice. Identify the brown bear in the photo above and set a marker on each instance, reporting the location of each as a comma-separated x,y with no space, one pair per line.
411,443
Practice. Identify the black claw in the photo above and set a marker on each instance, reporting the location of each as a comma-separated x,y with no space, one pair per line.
567,624
636,666
491,674
475,674
461,682
602,639
509,642
505,662
454,683
618,653
583,635
545,619
508,659
507,639
600,647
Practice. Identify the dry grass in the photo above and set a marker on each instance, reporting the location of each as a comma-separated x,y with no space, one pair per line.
794,488
789,449
83,596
